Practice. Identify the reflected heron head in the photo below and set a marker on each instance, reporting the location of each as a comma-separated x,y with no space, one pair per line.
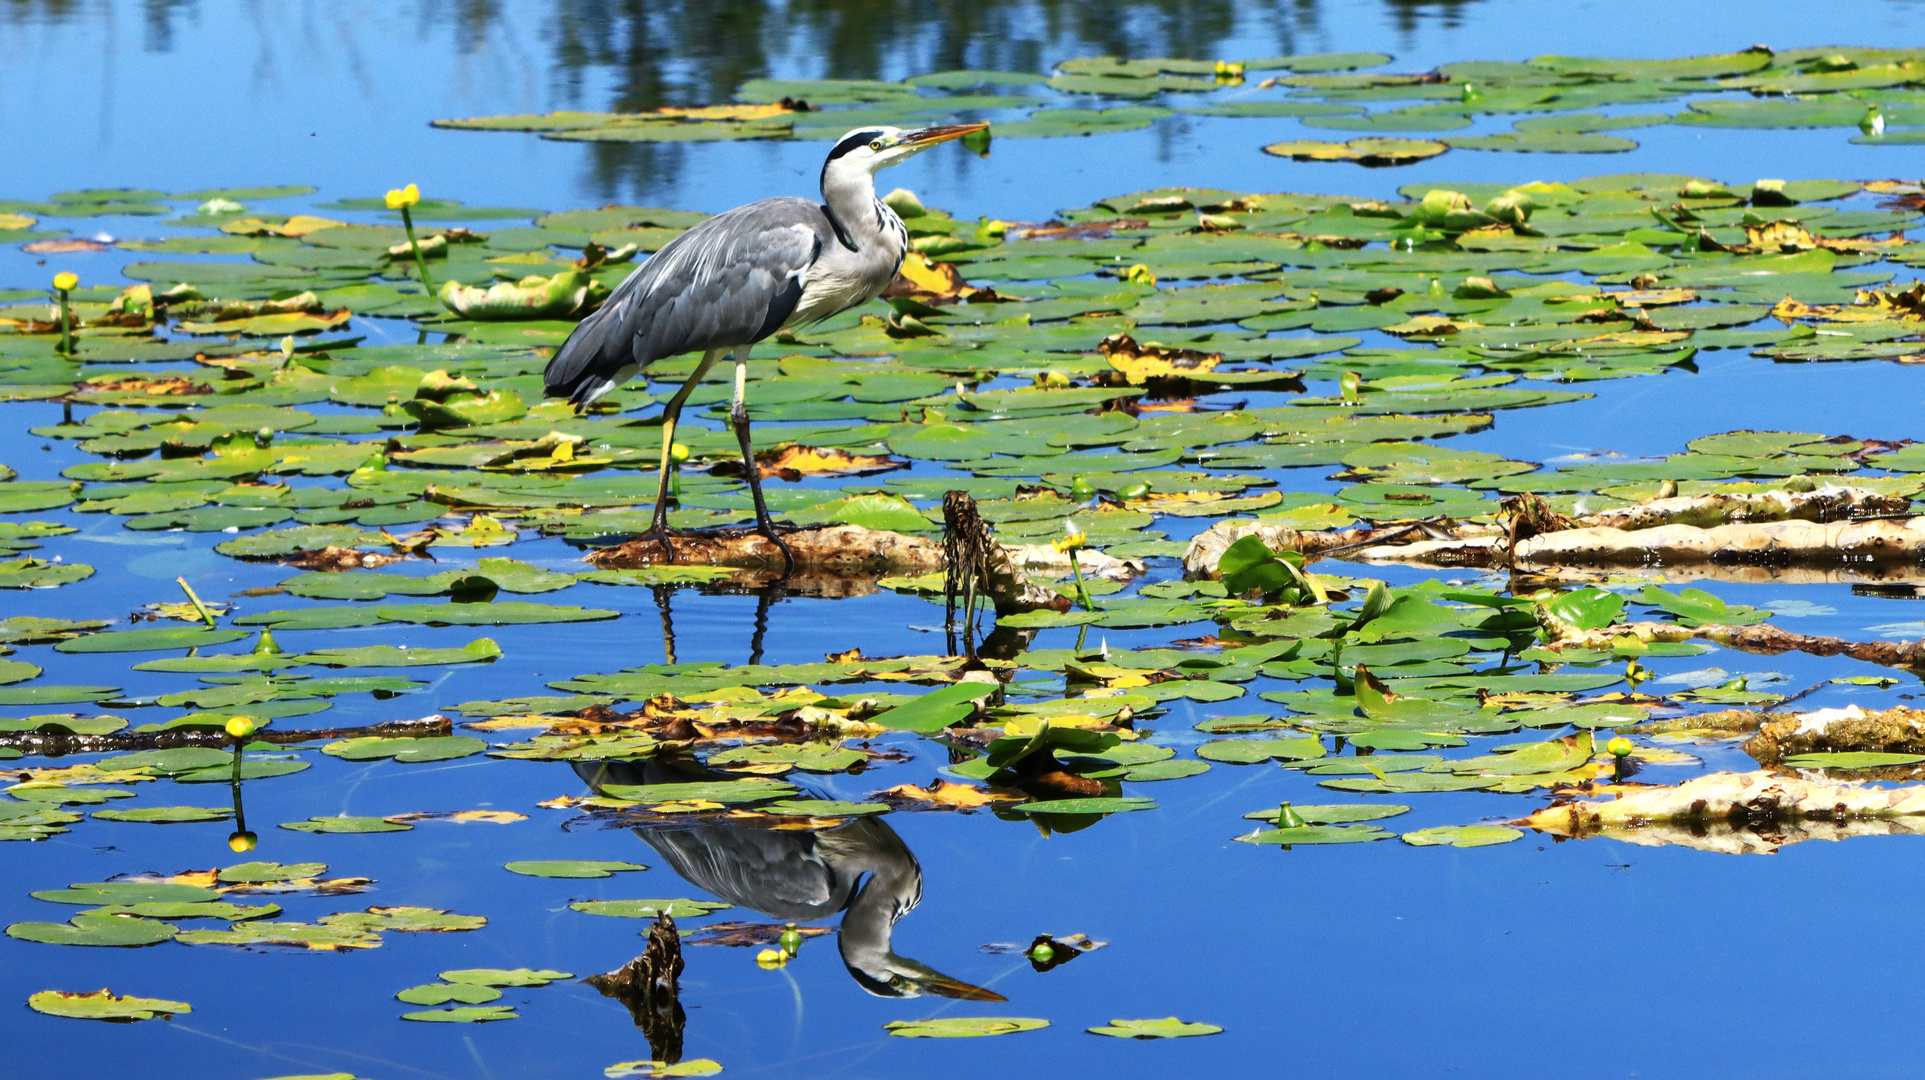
900,977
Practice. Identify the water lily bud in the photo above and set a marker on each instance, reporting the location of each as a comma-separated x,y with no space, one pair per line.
243,840
1081,490
66,280
791,939
678,452
400,198
1133,491
1042,953
240,727
1471,92
265,645
1288,818
1436,287
1620,747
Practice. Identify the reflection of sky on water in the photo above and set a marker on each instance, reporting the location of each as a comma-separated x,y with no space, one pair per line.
173,92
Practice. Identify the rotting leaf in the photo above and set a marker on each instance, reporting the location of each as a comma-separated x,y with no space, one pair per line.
103,1005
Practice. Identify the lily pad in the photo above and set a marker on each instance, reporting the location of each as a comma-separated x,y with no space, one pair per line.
1465,835
345,824
649,909
444,993
167,815
566,868
963,1027
481,1014
150,640
1085,806
437,748
103,1005
112,931
1168,1027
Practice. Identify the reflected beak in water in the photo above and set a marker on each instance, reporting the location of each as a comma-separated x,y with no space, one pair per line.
944,986
922,138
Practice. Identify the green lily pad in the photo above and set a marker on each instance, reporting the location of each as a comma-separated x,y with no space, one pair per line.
1168,1027
1403,783
112,931
649,909
727,792
444,993
504,976
103,1005
345,824
481,1014
963,1027
480,650
1862,759
660,1070
438,748
823,808
151,639
1465,835
1318,834
1085,806
1251,751
167,815
565,868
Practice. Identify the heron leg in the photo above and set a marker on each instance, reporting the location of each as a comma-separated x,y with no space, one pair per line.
739,419
670,414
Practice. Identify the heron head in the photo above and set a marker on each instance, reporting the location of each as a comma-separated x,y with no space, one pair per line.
875,148
900,977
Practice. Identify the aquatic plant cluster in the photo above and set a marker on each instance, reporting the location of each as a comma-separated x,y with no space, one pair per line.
1121,394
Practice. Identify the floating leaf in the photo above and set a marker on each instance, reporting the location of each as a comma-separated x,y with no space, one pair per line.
444,993
649,909
113,931
1465,835
345,824
482,1014
1167,1028
504,976
167,815
567,868
962,1027
103,1005
436,748
624,1070
1085,806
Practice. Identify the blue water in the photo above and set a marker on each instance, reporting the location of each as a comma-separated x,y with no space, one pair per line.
1361,961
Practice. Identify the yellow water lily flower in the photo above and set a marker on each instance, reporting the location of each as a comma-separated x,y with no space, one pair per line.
66,280
404,197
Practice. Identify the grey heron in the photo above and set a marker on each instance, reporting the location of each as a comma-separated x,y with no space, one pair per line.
740,276
862,869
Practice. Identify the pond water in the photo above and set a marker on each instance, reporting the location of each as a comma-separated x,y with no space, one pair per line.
1359,959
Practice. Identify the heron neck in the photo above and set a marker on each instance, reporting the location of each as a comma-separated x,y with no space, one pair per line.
893,889
855,213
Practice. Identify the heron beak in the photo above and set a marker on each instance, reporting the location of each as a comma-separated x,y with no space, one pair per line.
923,138
944,986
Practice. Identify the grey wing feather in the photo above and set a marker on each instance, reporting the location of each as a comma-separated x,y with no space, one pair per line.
779,874
731,280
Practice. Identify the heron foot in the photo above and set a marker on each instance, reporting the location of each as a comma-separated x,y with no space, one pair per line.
660,533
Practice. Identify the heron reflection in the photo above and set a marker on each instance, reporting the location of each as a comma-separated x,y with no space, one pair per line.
861,869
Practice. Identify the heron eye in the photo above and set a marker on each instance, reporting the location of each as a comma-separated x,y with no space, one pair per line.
877,145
